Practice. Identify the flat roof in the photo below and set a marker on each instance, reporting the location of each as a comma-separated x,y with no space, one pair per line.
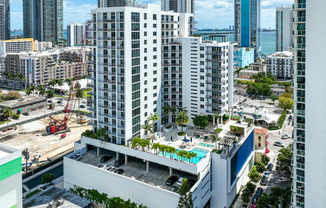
136,169
28,100
3,154
54,196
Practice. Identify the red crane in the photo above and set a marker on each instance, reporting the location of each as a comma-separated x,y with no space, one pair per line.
61,125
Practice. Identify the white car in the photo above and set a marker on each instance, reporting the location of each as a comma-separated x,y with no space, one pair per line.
180,181
285,136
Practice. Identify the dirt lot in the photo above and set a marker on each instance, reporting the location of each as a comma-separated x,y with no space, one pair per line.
34,137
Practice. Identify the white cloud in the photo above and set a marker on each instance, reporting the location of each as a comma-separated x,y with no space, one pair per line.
74,12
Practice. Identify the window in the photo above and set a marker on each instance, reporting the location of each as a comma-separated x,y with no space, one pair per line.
259,144
145,16
145,25
154,41
145,42
154,33
259,138
145,98
134,17
145,58
154,16
145,74
145,50
145,33
145,82
145,106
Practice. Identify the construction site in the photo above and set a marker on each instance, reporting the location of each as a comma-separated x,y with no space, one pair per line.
44,146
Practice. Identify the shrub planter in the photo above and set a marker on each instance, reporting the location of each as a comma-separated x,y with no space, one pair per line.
168,128
225,122
185,127
181,136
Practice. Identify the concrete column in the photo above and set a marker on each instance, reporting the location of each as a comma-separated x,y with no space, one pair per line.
170,171
126,159
147,165
97,151
117,155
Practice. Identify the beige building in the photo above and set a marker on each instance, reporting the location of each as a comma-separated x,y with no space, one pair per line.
253,69
261,143
41,67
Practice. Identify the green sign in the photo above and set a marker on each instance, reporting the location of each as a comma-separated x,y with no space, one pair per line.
10,168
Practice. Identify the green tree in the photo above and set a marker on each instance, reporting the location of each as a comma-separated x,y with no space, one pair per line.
274,97
166,111
148,127
263,89
52,83
41,90
79,95
68,81
285,103
284,161
289,89
185,200
50,93
7,112
254,175
60,83
260,167
287,95
182,119
201,121
265,159
25,81
33,88
47,178
28,91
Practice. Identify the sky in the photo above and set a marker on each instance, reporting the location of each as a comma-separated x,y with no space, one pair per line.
208,13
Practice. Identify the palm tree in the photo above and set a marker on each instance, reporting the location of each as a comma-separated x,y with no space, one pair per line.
41,90
25,81
28,91
148,127
33,88
68,81
215,116
153,117
7,112
60,83
166,110
50,93
155,147
79,95
182,119
52,83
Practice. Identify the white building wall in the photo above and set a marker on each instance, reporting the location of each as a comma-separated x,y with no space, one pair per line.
315,156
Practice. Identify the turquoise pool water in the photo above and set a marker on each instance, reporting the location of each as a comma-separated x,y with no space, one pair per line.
200,154
206,145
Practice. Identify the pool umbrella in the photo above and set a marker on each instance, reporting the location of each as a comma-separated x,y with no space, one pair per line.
191,139
186,140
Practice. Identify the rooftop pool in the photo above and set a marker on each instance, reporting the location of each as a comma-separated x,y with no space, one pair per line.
206,145
200,154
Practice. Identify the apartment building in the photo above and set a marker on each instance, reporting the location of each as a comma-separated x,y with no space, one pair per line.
299,95
284,39
217,175
315,162
115,3
41,67
40,46
244,56
10,177
76,34
179,6
16,45
280,64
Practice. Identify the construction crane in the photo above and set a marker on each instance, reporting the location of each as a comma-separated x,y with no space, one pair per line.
59,126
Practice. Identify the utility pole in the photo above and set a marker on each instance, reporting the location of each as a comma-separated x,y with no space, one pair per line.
25,153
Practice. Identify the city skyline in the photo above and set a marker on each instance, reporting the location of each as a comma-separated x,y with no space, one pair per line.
207,12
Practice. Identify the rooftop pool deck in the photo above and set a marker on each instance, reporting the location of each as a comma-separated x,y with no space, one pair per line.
201,153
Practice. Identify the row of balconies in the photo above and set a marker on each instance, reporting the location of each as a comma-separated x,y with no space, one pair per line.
172,57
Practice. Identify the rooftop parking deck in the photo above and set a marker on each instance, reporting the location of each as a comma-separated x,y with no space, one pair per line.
135,168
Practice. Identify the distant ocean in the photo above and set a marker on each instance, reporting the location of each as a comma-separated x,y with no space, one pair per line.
268,41
267,44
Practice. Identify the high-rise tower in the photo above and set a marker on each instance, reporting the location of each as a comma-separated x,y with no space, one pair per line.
5,19
247,24
115,3
180,6
43,20
283,28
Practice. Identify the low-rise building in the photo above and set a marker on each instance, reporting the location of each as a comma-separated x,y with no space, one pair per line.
10,177
217,175
261,143
253,69
41,45
41,67
26,104
280,64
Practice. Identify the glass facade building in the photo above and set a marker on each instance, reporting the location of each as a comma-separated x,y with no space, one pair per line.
247,24
43,20
6,17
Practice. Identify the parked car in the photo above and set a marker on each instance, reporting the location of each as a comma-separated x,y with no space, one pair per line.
290,117
180,181
84,101
263,181
266,174
59,102
270,166
105,158
253,206
119,171
191,182
100,166
171,180
279,144
119,162
174,188
254,200
285,136
259,192
82,106
26,114
10,128
49,101
4,130
111,168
